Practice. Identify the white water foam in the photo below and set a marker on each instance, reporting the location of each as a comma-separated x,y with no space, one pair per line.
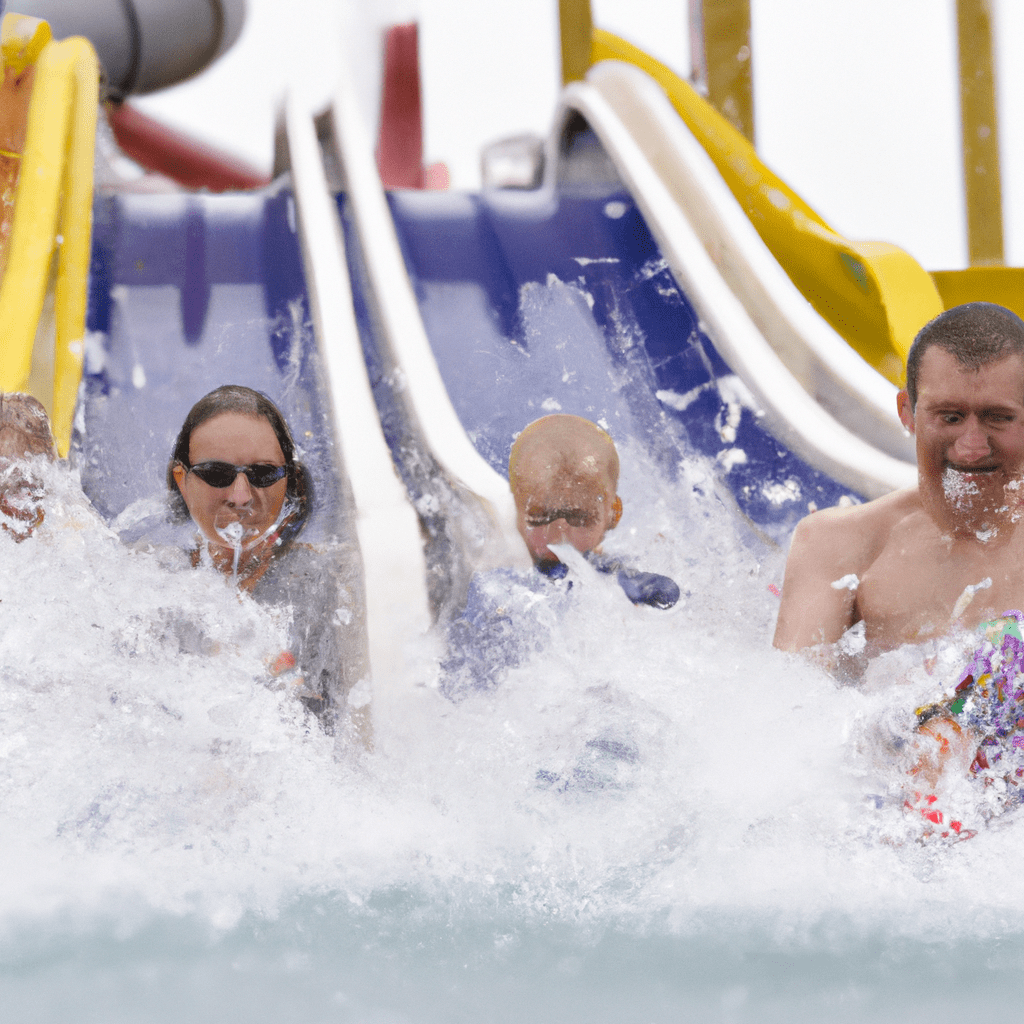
667,772
959,490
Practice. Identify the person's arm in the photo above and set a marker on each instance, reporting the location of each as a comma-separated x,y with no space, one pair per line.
942,746
813,611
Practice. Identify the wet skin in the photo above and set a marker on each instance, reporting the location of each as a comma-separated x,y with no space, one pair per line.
916,551
557,508
24,434
969,422
241,441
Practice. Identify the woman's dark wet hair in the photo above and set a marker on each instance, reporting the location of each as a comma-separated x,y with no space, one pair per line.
977,333
247,402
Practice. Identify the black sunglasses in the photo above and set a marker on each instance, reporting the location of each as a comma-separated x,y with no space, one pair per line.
224,474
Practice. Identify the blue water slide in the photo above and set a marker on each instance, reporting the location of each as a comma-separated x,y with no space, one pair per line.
567,304
579,297
186,294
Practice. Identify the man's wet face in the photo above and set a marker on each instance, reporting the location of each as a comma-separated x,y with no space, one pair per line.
561,507
970,431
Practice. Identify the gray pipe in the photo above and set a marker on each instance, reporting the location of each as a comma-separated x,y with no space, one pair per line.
145,45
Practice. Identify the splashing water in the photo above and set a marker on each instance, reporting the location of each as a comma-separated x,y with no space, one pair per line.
655,811
232,534
240,537
968,594
959,490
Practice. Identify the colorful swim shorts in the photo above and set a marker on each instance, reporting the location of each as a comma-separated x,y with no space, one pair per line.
989,700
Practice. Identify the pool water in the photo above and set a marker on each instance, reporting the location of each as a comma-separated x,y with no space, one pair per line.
656,817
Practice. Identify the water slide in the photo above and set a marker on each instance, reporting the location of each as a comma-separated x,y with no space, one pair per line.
434,325
604,228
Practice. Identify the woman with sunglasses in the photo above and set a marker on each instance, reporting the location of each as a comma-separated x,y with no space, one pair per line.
234,472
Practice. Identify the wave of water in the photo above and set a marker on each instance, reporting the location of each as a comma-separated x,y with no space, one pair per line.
656,812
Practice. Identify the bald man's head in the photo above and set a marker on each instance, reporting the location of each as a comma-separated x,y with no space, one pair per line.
564,442
564,471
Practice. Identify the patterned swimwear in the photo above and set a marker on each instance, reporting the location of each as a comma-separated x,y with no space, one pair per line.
989,701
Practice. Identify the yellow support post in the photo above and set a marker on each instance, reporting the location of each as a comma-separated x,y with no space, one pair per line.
979,131
721,28
23,40
36,208
52,217
576,26
76,239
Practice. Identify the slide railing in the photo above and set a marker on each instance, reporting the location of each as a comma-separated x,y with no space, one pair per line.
385,523
872,293
842,382
480,511
791,413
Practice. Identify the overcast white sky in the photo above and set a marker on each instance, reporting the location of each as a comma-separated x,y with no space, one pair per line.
856,103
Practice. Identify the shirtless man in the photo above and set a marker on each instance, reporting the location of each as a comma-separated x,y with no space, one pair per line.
915,563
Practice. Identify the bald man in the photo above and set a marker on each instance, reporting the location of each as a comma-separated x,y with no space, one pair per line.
564,475
564,472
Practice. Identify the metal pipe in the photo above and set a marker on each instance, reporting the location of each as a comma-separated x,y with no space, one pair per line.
145,45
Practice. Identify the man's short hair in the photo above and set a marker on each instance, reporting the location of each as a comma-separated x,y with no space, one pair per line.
977,333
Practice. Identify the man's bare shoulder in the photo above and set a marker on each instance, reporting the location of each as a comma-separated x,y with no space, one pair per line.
831,551
854,533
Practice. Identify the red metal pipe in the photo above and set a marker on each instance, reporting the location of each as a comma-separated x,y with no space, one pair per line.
185,160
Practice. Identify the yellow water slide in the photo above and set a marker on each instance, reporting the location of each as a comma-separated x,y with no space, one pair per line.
873,294
51,97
